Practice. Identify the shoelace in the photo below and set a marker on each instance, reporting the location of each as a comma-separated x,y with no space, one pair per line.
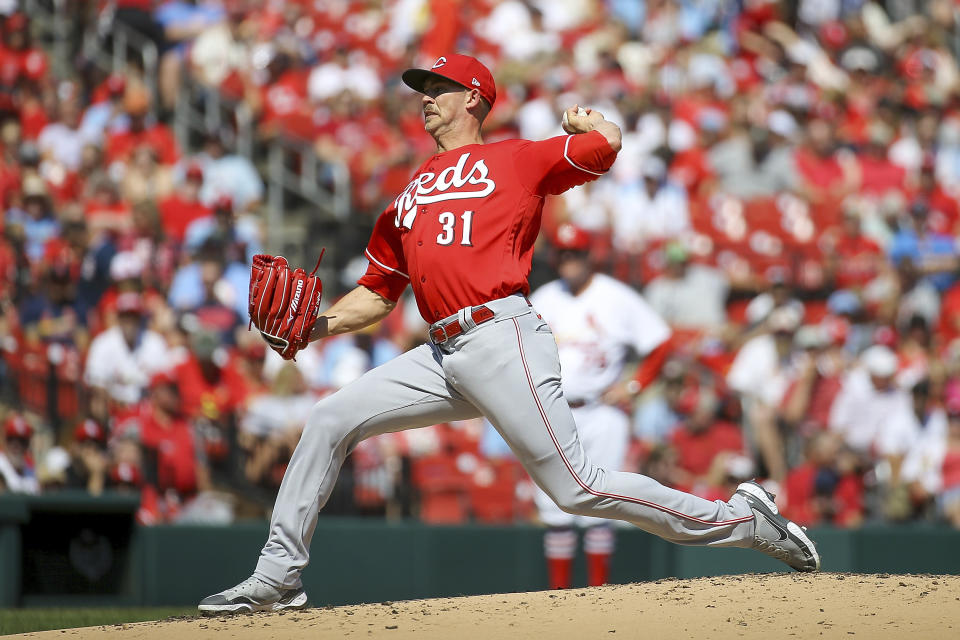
252,580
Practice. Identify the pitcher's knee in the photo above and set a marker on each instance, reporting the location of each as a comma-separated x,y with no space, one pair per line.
329,421
578,501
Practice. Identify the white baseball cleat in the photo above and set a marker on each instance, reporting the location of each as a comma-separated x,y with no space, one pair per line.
253,594
776,536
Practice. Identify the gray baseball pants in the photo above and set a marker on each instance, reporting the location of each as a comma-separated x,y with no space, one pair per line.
508,370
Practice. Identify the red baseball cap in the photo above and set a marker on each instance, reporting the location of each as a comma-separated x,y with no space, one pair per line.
89,430
130,302
194,172
223,203
116,84
163,378
17,427
571,238
464,70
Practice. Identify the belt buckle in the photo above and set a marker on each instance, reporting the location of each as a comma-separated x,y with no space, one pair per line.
443,330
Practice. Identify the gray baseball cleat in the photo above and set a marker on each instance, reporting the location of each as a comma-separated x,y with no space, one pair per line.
253,594
776,536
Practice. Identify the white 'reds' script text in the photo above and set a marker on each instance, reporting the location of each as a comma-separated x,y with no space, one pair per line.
429,188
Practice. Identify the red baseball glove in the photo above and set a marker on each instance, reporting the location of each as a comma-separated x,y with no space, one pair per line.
284,303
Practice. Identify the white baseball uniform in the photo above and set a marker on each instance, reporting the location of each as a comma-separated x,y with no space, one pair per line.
595,332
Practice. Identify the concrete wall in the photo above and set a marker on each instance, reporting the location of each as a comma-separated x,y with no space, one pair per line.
370,560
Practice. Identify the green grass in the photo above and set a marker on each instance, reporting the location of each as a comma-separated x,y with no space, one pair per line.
24,620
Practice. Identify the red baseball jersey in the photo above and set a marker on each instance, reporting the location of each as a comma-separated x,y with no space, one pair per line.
462,232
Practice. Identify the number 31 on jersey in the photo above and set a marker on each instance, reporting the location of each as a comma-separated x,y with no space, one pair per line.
448,233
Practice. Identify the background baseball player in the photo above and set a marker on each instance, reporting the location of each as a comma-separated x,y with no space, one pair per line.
597,321
461,234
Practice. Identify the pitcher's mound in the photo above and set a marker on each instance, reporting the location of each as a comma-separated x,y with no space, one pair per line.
827,605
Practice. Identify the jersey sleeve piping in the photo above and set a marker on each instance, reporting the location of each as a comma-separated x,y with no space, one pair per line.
574,164
383,266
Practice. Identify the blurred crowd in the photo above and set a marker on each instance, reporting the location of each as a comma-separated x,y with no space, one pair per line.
786,198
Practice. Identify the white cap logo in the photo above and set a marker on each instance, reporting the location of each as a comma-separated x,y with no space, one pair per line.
439,63
475,82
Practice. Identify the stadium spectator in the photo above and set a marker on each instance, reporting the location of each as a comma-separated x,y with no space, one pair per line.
106,214
174,465
827,487
761,373
240,236
89,461
688,294
661,412
211,393
36,219
213,284
61,143
105,114
756,160
121,144
228,175
826,174
648,211
146,180
17,473
820,364
122,359
271,427
183,206
852,259
876,419
932,253
181,21
704,443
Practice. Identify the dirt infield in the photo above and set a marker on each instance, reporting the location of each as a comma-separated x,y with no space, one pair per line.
829,605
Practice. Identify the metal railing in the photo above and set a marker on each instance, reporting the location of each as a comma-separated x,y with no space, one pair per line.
294,168
295,175
50,20
125,43
202,109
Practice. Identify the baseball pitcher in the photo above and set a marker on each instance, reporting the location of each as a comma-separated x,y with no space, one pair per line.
461,234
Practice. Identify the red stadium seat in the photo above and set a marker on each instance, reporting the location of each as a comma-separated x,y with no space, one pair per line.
442,489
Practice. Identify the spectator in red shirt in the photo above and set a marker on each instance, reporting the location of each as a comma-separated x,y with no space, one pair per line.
852,259
173,462
944,210
120,145
181,208
105,212
826,489
878,174
20,62
212,393
208,388
703,444
827,174
949,327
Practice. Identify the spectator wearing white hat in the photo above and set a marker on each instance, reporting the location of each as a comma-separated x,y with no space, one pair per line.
874,416
931,467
